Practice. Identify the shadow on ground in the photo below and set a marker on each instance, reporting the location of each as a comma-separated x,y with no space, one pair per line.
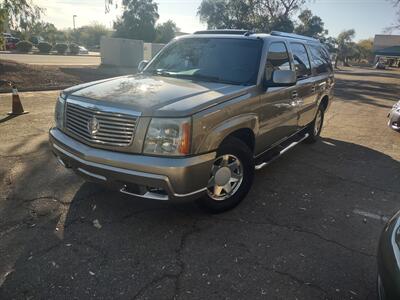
380,94
296,235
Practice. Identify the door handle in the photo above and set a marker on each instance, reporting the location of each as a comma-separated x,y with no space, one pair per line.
313,89
295,95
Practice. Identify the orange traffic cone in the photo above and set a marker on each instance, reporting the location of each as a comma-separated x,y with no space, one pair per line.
17,108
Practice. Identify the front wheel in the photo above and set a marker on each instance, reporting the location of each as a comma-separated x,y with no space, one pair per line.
231,176
314,129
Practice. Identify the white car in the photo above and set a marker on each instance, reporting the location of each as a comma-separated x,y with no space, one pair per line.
83,50
394,117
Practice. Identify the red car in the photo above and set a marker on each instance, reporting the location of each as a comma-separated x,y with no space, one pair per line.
11,43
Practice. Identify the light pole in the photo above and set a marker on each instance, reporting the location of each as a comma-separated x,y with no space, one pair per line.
73,20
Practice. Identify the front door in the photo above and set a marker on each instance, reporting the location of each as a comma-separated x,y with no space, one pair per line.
278,112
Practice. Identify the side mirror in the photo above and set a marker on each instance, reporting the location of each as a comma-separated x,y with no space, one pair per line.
284,78
142,65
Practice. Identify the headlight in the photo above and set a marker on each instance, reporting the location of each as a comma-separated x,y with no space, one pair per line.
59,111
168,137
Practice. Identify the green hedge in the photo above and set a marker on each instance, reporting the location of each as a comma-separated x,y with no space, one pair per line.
61,48
24,46
44,47
74,49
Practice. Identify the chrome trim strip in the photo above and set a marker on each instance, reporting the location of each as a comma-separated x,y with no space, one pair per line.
283,151
147,195
117,127
92,174
104,108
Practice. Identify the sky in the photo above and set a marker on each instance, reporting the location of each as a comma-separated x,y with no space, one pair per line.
367,17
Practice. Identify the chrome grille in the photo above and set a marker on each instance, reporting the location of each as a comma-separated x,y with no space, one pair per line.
114,129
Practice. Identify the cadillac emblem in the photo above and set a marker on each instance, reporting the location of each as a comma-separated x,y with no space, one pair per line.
93,126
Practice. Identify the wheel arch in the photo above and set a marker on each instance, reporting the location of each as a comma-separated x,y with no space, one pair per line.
244,128
324,102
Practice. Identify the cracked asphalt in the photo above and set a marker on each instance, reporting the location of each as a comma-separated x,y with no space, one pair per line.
308,229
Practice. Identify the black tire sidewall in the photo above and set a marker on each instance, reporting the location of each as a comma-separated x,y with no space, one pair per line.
237,148
315,137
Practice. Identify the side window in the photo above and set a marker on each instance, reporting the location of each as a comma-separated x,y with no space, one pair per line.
301,60
321,59
277,59
327,58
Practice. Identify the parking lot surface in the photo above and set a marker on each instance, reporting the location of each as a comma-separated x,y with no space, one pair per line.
57,60
308,229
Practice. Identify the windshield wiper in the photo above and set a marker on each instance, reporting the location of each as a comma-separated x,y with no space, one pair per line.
195,76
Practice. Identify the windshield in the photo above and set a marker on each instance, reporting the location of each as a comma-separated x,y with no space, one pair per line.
225,60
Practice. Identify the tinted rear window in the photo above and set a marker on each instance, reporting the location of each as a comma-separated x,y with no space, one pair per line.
301,60
321,60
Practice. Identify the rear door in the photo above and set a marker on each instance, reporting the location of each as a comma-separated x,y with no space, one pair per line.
305,87
322,69
278,115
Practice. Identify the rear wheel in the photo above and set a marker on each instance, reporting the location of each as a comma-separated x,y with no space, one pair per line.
314,129
231,176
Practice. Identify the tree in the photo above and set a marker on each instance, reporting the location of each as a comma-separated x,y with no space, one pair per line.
165,32
396,25
46,30
310,25
90,35
21,13
3,18
365,49
222,14
330,43
260,15
346,46
138,20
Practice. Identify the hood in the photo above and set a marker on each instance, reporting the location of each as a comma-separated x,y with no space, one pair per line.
156,95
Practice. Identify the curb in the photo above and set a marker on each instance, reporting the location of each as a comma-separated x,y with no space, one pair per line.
35,89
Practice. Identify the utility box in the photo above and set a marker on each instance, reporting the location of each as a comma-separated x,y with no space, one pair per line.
151,49
121,52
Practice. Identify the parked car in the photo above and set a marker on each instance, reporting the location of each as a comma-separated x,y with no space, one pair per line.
83,50
380,66
11,43
389,260
35,40
394,117
200,117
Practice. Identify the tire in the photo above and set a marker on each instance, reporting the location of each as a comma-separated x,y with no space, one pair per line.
314,129
235,154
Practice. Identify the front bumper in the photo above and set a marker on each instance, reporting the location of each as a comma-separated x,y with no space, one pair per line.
159,178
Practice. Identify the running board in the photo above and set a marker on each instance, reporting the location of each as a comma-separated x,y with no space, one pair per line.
283,151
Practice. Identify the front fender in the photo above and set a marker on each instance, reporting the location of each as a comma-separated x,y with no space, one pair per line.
219,132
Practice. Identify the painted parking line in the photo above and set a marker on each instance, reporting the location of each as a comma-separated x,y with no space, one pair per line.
370,215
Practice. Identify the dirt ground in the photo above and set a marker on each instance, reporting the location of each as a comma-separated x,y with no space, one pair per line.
43,77
308,229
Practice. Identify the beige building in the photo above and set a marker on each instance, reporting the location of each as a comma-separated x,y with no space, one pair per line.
382,41
387,45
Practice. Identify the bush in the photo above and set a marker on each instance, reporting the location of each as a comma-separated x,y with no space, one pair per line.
44,47
24,46
74,49
61,48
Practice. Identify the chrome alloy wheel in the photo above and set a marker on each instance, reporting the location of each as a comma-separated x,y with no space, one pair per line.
226,177
318,122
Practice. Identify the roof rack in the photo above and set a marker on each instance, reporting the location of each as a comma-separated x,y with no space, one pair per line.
225,31
294,36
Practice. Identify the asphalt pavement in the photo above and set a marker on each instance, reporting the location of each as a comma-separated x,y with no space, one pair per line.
54,60
308,229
